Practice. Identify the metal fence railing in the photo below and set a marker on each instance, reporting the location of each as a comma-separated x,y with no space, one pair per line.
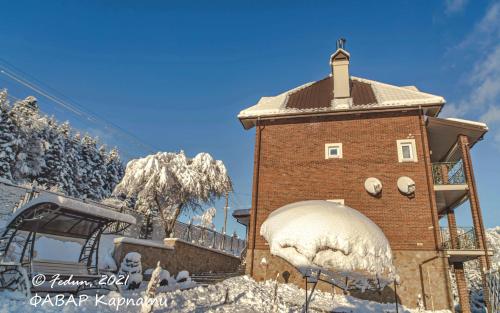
448,173
209,238
466,239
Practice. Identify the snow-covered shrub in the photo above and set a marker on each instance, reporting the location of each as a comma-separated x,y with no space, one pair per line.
131,266
332,237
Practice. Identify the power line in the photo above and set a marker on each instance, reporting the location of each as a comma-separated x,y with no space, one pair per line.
79,110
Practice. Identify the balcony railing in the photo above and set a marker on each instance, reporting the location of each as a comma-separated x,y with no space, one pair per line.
448,173
466,239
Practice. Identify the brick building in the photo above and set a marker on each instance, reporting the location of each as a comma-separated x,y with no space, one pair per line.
324,139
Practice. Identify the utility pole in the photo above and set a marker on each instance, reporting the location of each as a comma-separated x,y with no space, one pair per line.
226,207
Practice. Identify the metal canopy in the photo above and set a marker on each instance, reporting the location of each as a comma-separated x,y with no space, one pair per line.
54,214
57,215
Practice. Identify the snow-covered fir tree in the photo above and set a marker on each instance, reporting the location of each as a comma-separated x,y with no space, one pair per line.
29,155
8,138
35,147
171,183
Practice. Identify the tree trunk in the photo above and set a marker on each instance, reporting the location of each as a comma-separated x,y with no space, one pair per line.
169,223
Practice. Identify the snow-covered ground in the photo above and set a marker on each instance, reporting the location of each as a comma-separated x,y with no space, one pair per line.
238,294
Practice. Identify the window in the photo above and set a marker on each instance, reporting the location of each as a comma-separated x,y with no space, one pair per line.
333,151
407,151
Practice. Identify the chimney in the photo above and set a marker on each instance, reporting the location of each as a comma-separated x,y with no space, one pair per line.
339,61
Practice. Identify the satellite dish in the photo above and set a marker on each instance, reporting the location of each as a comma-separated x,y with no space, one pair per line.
373,186
406,185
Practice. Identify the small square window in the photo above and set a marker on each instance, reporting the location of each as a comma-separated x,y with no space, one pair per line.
407,150
333,151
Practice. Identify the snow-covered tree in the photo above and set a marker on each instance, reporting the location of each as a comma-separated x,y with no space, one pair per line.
53,171
171,184
114,170
206,219
29,160
8,138
35,147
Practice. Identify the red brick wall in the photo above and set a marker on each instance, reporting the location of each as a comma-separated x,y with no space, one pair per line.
293,168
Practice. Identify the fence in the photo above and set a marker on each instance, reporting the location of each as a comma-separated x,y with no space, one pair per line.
147,227
493,279
466,239
448,173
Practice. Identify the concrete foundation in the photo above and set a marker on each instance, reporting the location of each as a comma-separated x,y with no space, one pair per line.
422,273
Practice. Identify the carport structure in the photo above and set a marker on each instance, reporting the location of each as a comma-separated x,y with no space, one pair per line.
57,215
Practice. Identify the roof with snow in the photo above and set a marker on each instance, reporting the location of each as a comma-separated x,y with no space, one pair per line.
59,215
316,97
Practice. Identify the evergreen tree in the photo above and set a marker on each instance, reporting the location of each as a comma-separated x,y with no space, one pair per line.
7,138
34,147
114,170
29,157
54,174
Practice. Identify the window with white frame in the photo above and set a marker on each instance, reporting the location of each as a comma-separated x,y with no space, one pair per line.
407,151
333,151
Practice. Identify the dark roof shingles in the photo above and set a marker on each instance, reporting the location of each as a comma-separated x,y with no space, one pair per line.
320,94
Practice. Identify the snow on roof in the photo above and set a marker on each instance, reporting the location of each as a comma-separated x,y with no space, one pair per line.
468,122
76,206
386,95
324,235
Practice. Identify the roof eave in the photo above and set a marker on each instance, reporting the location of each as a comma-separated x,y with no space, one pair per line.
249,122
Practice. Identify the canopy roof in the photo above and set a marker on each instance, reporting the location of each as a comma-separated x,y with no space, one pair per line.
58,215
443,135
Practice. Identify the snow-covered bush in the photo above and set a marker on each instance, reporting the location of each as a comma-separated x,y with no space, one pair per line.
332,237
131,266
171,183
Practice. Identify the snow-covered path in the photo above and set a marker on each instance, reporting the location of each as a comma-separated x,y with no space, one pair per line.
238,294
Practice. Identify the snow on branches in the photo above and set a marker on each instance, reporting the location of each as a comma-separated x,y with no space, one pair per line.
171,183
35,147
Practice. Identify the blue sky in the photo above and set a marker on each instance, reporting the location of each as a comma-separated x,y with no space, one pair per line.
176,74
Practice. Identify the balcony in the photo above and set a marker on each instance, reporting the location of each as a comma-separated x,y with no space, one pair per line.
464,248
450,184
448,173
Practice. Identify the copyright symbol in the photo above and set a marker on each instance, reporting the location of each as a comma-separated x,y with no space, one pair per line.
38,280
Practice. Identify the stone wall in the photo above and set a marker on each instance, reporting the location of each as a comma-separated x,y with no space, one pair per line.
176,255
420,272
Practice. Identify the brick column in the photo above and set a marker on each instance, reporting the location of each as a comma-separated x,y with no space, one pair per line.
477,218
444,174
452,228
463,292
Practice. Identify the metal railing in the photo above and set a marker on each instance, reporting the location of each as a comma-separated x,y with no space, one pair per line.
466,239
209,238
448,173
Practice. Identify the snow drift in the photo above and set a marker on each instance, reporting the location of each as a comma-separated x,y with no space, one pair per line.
332,237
